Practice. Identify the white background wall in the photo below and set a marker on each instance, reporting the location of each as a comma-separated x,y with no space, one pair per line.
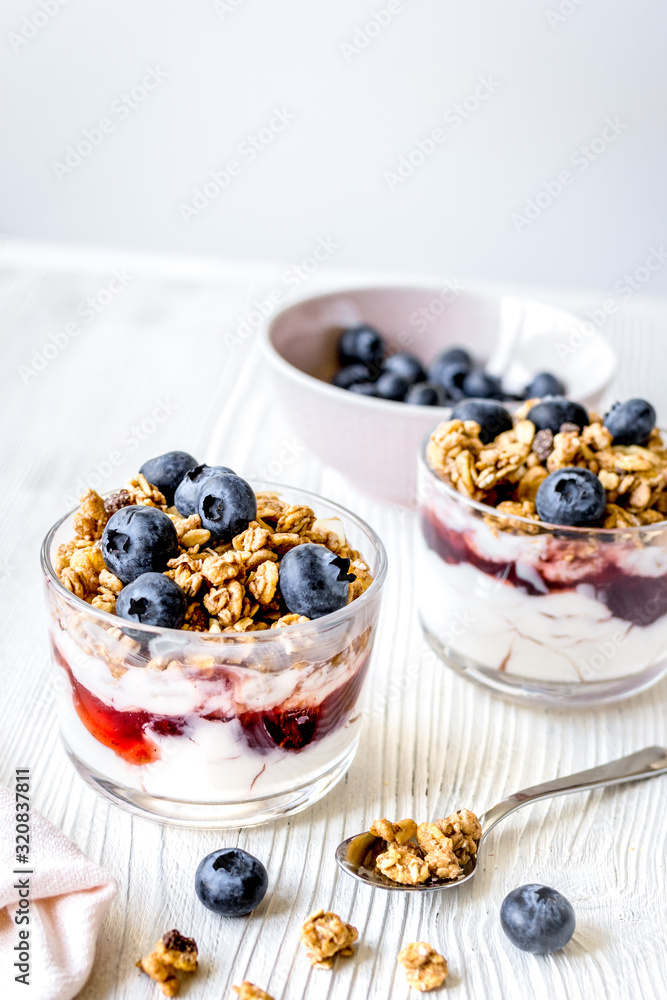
557,77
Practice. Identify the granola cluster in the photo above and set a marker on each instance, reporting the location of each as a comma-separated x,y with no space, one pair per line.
442,849
325,935
425,968
172,954
248,991
507,472
230,587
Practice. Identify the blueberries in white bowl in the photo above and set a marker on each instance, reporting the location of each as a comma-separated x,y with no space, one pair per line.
231,882
479,384
537,919
153,599
407,366
544,384
361,343
314,581
166,471
573,497
426,394
136,540
226,505
391,386
351,375
631,422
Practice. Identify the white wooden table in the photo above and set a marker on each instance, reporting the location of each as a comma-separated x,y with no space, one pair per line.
432,741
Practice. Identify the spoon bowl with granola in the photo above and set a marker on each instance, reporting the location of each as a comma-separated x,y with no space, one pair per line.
410,857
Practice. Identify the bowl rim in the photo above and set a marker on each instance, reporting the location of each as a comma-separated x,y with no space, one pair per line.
302,629
274,357
545,526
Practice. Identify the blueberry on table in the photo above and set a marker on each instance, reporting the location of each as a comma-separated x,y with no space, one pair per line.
426,394
479,384
136,540
537,919
544,384
553,411
391,386
631,422
573,497
361,343
314,581
364,388
231,882
492,418
166,471
185,498
407,366
346,377
226,505
153,599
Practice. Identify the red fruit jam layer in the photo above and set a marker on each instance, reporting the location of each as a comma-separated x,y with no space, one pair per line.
127,732
640,600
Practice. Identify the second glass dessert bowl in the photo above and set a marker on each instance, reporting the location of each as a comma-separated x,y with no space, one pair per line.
213,729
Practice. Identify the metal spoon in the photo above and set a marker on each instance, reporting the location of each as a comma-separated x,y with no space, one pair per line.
356,855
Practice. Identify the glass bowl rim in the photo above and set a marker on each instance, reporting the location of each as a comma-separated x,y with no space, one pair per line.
301,629
545,526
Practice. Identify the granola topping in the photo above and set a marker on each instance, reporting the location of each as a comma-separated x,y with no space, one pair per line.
442,849
172,954
425,968
248,991
325,935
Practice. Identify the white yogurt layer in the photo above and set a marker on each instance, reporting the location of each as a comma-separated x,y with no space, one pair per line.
561,637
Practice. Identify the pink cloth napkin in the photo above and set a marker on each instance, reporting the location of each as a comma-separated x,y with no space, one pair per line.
68,899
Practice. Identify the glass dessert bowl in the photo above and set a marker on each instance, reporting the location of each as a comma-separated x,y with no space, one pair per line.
213,728
551,613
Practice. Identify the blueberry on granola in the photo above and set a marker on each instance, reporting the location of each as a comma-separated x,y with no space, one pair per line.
314,581
492,418
407,366
544,384
426,394
226,505
231,882
631,422
361,343
554,411
185,498
152,599
136,540
573,497
537,919
166,471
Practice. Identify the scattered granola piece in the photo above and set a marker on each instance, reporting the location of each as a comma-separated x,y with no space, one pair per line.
425,968
248,991
324,936
173,953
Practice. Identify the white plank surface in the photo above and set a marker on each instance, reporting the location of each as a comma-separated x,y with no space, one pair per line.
431,742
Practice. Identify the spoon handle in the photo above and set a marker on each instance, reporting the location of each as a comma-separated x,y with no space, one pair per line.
643,764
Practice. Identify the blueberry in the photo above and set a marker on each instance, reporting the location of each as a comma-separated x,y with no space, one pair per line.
136,540
482,386
544,384
631,422
456,355
553,411
426,394
537,919
166,471
346,377
450,376
153,599
314,581
571,496
185,498
391,386
407,366
492,418
226,505
361,343
231,882
364,388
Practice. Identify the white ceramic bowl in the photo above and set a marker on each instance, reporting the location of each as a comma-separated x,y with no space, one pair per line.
375,442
